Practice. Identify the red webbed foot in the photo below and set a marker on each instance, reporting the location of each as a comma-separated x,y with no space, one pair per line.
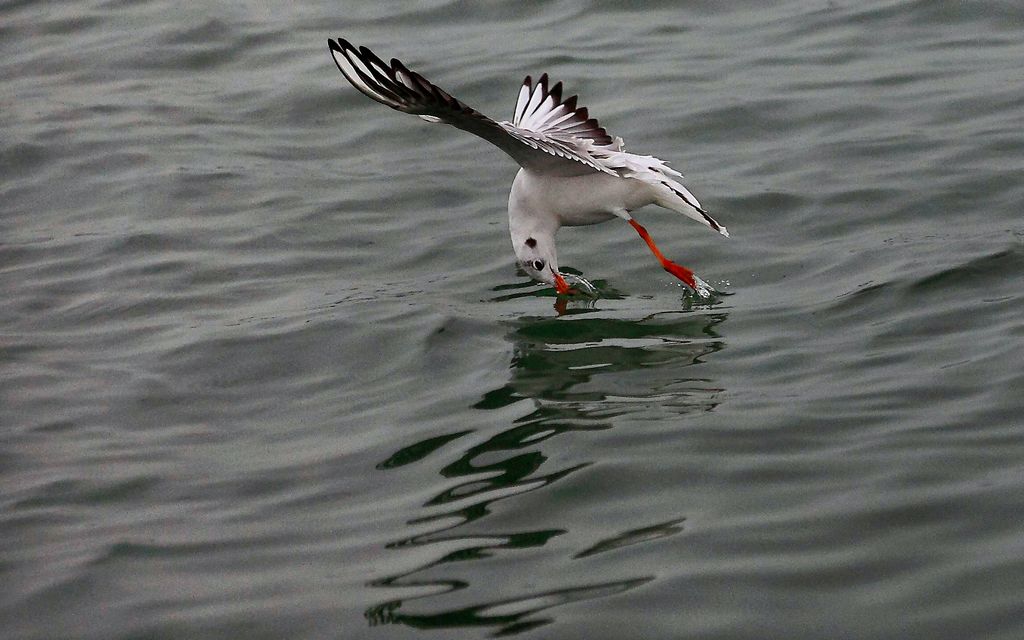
702,288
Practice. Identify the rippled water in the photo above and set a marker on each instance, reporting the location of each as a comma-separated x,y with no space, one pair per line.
267,368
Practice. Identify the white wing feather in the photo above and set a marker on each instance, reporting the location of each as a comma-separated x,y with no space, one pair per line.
547,134
565,150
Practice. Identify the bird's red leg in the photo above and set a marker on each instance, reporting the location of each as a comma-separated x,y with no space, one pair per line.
677,270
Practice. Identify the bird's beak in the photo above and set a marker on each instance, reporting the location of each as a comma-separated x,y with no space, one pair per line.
560,284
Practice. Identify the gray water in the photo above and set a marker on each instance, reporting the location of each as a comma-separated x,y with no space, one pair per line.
268,370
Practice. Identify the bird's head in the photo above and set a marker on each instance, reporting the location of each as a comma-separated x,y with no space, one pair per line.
536,256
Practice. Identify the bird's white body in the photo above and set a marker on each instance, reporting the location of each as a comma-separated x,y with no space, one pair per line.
577,200
573,173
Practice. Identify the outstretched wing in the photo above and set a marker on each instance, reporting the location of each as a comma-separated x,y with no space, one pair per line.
547,134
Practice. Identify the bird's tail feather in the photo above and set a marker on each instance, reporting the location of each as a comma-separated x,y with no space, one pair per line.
673,195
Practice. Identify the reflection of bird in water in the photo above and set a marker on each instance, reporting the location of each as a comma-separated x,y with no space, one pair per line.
606,365
573,173
570,378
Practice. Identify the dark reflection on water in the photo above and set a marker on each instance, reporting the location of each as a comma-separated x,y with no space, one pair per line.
634,536
510,616
581,370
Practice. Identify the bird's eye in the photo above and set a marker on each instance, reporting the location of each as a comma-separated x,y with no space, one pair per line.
538,264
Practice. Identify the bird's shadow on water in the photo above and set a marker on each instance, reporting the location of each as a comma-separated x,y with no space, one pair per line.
580,370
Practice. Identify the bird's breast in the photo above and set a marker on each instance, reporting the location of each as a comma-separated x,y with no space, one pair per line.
577,200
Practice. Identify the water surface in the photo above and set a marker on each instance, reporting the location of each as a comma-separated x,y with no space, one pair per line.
267,368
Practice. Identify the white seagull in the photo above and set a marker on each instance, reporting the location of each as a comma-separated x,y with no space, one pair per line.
572,172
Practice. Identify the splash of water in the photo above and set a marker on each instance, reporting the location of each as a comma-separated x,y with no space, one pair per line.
582,284
704,290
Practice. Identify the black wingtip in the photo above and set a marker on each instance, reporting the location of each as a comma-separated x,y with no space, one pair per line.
556,92
339,45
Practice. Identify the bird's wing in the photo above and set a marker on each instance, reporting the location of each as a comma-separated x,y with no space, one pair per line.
547,134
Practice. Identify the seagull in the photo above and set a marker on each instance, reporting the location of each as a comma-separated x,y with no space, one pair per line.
572,172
